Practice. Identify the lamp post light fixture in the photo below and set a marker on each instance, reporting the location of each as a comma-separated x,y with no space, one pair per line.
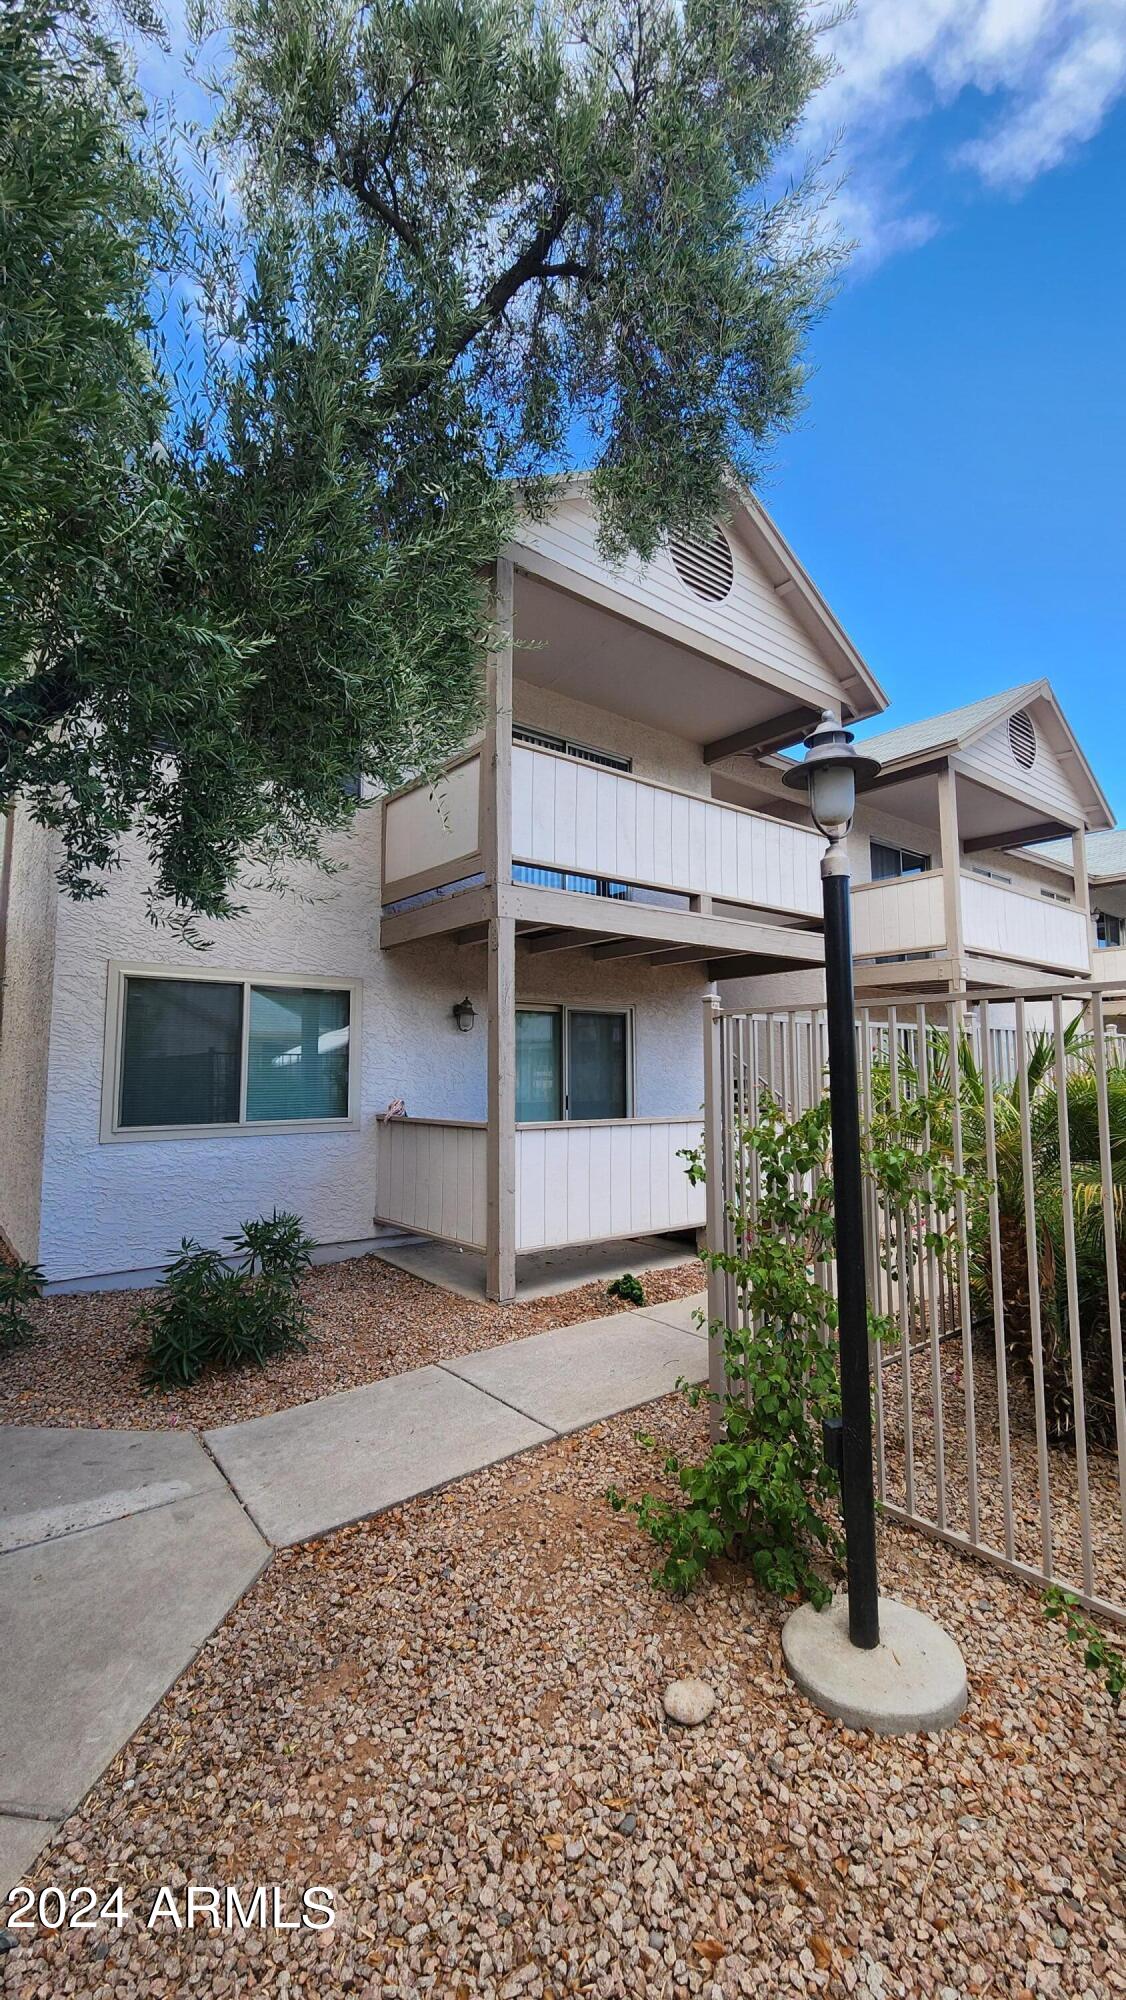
909,1676
830,773
464,1014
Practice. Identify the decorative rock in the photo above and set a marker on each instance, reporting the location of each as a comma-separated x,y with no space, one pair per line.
688,1702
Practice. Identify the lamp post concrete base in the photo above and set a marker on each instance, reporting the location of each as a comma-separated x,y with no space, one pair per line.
914,1680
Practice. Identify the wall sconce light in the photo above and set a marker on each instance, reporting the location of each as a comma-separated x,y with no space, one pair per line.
464,1014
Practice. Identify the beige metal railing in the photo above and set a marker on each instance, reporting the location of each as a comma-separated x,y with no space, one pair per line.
1000,1406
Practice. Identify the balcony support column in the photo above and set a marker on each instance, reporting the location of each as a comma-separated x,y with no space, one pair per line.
500,1135
1083,888
496,854
950,855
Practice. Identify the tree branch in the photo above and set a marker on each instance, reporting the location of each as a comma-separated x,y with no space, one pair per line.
530,264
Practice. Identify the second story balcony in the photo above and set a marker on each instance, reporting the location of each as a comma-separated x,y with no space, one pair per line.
607,856
1009,928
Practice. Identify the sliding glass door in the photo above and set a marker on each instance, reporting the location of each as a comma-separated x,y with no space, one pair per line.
571,1062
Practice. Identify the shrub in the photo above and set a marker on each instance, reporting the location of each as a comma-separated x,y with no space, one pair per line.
627,1287
20,1283
1098,1653
763,1491
214,1313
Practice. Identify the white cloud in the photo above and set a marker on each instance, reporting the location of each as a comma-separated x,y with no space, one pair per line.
1048,72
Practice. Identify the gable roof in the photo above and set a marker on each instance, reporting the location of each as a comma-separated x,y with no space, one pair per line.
1106,854
765,542
958,728
951,730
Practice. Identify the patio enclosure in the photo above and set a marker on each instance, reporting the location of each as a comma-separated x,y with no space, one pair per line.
1000,1406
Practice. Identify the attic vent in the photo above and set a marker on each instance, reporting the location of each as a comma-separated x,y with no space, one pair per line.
704,562
1022,739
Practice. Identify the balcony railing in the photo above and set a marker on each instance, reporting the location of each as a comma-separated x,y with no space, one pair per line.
605,833
578,1182
907,915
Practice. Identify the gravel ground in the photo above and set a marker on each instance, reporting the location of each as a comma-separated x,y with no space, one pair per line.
371,1320
452,1716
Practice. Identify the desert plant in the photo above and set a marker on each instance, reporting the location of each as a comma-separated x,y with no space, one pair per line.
627,1287
20,1283
1050,1271
762,1494
213,1312
1098,1653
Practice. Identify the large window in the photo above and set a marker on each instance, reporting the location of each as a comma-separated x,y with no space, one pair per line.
193,1053
889,862
572,1062
1108,930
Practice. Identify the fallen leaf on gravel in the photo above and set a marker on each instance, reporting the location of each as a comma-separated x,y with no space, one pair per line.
555,1841
709,1948
822,1951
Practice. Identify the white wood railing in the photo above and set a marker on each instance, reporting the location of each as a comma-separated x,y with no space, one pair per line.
588,821
431,1177
1007,923
575,1182
590,1183
907,914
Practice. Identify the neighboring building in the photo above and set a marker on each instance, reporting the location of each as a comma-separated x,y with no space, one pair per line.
578,876
948,895
1105,856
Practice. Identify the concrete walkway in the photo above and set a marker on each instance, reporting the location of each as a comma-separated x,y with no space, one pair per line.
120,1551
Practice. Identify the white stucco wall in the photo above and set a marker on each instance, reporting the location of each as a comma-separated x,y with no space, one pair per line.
28,962
123,1206
662,758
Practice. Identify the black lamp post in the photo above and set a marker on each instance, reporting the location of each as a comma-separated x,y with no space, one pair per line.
830,773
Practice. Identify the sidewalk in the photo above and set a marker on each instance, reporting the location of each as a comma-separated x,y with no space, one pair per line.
121,1551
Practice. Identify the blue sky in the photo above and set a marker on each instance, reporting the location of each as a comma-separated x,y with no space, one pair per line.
956,485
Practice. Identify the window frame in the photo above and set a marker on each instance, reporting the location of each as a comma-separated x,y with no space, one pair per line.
564,1009
905,854
113,1133
569,746
1102,918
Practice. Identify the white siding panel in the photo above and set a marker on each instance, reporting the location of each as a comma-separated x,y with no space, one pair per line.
1025,928
902,915
573,816
1047,781
751,620
428,828
431,1177
583,1183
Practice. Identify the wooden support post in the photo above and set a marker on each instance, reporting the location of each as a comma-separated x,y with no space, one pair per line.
1083,889
496,853
496,754
500,1136
950,854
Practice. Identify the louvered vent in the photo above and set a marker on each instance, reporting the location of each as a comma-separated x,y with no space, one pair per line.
704,563
1022,739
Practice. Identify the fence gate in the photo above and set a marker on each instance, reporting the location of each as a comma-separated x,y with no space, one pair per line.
1000,1400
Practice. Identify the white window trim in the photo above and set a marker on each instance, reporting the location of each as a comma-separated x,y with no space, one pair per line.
563,1009
112,1133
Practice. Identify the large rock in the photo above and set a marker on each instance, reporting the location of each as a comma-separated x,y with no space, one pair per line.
688,1702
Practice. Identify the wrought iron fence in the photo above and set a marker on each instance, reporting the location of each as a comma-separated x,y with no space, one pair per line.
1000,1403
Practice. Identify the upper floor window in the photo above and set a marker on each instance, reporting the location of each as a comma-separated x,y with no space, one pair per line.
1055,895
189,1052
1108,929
990,874
704,562
888,862
563,747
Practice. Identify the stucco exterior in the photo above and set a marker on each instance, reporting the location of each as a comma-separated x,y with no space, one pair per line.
121,1207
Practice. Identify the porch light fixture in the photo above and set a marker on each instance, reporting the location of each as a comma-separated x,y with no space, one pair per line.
830,773
464,1014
